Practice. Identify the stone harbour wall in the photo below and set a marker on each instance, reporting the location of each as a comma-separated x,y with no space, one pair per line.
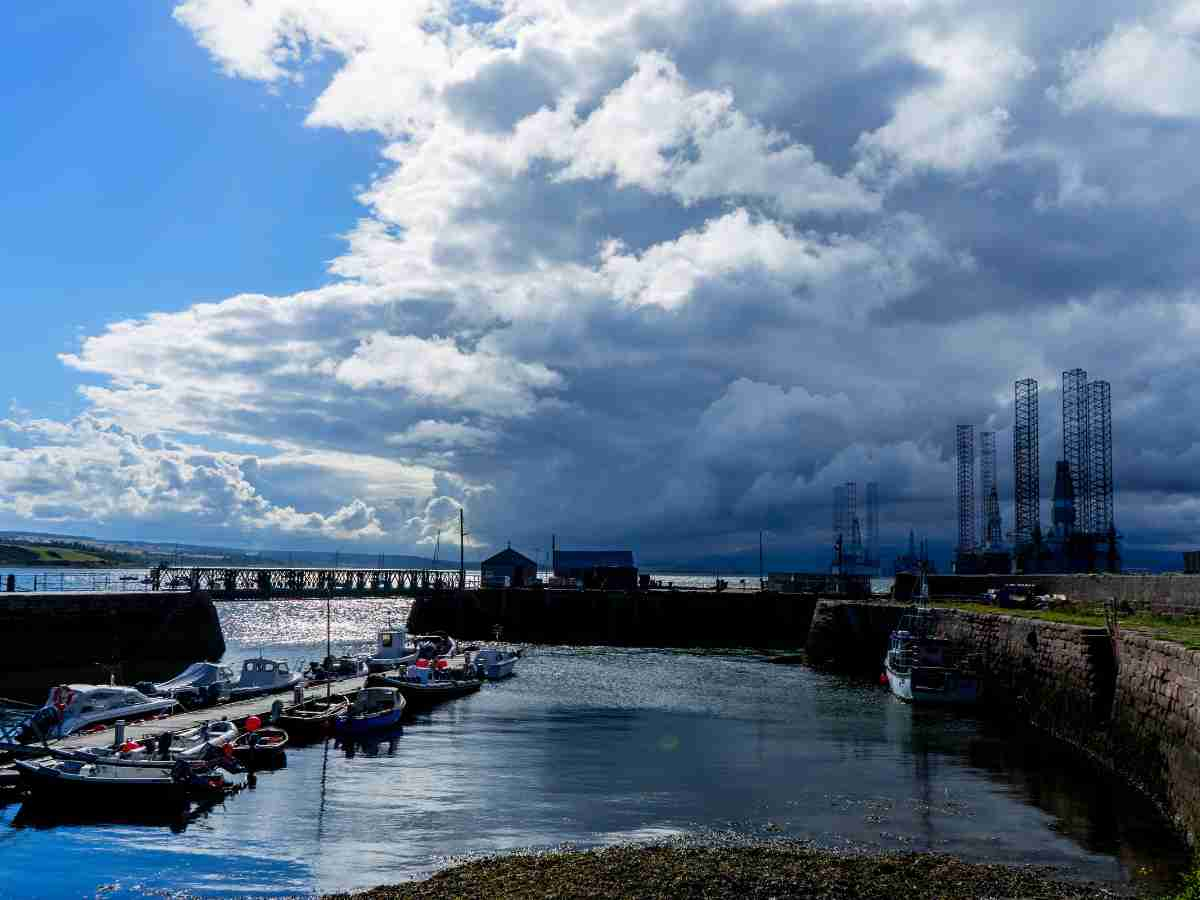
629,619
49,639
1132,704
1154,739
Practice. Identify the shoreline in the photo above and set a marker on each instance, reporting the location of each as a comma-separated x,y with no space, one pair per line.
751,870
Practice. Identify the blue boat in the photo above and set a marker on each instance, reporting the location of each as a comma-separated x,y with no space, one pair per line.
371,708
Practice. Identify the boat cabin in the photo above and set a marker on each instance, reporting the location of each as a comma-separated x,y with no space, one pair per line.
264,672
393,644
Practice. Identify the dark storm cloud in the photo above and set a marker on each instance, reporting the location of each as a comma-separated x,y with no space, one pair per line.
664,275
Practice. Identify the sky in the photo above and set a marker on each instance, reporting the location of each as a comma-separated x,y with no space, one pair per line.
320,273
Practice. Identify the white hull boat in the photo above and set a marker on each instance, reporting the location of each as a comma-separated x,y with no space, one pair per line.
493,663
925,668
394,650
264,676
73,707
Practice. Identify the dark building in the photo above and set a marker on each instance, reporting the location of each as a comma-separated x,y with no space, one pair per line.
518,568
1191,562
610,569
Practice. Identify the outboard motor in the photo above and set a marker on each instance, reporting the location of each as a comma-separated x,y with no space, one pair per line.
39,725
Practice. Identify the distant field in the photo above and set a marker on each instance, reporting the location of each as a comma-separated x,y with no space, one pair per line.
51,555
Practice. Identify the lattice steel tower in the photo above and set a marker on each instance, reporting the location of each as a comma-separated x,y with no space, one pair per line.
989,497
1076,450
839,514
855,548
1099,397
1027,489
966,488
872,548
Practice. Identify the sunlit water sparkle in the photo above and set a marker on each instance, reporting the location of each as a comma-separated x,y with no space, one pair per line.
592,746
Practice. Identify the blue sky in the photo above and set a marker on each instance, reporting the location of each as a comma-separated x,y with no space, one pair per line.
652,274
140,179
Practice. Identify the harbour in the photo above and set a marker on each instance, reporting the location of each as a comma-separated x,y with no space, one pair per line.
591,746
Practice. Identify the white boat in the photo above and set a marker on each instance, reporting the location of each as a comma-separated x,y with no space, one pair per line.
264,676
435,646
494,663
196,743
71,707
200,684
393,650
117,785
923,667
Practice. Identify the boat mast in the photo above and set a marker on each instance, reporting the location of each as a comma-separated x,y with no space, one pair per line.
462,569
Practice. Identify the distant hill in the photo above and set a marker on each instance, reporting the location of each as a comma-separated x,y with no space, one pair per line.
103,552
67,554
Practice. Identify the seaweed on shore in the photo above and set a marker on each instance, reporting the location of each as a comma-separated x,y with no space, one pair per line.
715,873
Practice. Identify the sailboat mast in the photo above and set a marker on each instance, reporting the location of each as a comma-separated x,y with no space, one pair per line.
462,568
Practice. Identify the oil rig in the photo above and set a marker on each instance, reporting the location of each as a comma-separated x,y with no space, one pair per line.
855,542
1083,535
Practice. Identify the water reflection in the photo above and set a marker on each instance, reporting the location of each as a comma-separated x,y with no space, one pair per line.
595,745
383,741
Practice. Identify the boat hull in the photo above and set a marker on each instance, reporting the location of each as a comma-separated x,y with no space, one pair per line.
353,726
78,791
378,664
128,713
496,671
308,723
423,696
922,687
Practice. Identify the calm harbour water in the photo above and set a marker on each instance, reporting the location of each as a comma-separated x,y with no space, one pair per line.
593,746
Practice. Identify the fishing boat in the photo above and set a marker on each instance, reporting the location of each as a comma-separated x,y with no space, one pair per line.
70,708
312,719
435,646
264,676
262,747
393,650
200,684
924,667
370,708
494,663
94,783
423,686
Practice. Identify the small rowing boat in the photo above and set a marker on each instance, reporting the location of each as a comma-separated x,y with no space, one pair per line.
371,708
264,746
312,719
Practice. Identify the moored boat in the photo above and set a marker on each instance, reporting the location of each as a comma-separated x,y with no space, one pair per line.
262,746
495,663
312,719
435,646
422,686
393,650
199,742
143,785
200,684
370,708
70,708
264,676
924,667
